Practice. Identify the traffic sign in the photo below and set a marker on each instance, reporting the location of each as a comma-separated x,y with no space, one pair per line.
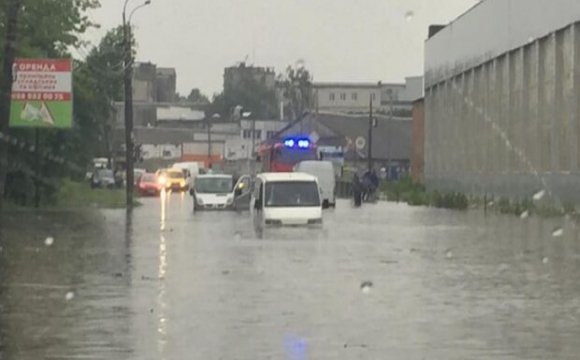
360,142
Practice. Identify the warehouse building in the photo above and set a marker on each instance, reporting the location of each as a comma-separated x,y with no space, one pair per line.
502,101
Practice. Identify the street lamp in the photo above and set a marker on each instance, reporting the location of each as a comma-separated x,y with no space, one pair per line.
128,83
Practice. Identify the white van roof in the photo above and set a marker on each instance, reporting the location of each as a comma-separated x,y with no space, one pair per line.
287,176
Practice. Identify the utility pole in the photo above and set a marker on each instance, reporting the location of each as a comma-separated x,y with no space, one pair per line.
208,124
370,136
128,81
12,8
253,156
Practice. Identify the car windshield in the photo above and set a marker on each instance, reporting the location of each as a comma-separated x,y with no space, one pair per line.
175,175
213,185
292,194
106,173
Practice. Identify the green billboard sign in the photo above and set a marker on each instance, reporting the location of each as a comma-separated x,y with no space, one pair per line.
42,93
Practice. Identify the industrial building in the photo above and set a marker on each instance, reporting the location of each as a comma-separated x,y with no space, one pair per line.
502,101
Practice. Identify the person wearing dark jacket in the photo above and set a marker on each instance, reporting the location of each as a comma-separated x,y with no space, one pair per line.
357,190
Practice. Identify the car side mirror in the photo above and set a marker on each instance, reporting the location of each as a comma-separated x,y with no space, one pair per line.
238,192
257,204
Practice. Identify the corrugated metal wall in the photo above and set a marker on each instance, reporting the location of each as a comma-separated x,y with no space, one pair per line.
510,125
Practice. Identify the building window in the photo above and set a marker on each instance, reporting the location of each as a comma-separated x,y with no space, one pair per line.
354,96
331,96
258,134
166,153
247,134
270,134
343,96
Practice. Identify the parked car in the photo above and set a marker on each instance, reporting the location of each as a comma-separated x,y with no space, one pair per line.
103,178
148,184
324,172
137,173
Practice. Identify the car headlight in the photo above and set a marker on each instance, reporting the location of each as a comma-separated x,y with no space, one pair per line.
162,180
199,201
230,200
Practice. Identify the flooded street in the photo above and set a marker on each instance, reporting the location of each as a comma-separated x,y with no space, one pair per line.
385,281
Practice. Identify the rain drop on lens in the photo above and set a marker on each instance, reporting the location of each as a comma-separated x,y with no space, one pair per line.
49,241
409,15
525,215
545,260
558,232
69,295
449,254
539,195
366,287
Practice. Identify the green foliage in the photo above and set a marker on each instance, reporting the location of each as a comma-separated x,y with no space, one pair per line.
252,95
297,91
414,194
74,194
47,28
196,96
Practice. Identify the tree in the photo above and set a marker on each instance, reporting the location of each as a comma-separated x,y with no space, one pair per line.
252,95
296,85
196,96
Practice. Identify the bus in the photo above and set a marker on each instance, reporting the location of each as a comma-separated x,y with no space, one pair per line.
283,156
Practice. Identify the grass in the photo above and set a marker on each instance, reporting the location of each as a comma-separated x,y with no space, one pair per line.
77,195
405,190
73,194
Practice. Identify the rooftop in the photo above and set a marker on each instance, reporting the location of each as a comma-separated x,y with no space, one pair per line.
287,177
179,113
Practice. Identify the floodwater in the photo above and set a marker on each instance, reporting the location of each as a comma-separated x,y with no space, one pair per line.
386,281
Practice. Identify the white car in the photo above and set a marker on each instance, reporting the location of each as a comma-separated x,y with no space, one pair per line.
281,199
217,191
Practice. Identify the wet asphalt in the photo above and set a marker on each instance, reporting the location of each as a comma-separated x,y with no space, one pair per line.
386,281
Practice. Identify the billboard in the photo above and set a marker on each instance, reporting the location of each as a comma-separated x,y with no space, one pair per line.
42,93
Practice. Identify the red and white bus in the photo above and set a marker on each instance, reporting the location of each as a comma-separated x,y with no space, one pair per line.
282,156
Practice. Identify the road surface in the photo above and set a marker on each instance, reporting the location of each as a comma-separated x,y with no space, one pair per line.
386,281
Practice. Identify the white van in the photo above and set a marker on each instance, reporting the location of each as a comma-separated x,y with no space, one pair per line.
217,192
280,199
324,171
191,169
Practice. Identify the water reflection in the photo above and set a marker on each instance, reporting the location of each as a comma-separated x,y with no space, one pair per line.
161,299
164,200
290,297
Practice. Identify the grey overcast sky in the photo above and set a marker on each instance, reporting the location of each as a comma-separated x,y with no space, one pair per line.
339,40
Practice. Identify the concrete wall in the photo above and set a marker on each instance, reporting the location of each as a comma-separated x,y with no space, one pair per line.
418,142
509,124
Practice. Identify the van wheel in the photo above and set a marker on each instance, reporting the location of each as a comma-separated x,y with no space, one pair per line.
325,204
